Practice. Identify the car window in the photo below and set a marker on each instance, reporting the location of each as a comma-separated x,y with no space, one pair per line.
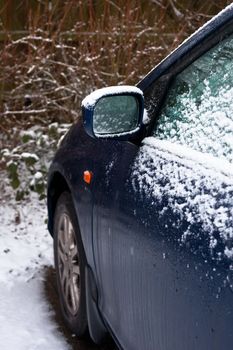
198,110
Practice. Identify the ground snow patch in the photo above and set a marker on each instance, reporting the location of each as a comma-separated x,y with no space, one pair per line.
26,322
25,248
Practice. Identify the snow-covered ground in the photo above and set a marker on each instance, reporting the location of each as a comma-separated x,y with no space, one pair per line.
26,319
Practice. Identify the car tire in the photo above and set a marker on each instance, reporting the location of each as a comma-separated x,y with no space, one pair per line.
70,264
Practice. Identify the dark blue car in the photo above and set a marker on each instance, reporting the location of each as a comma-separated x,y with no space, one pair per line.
140,204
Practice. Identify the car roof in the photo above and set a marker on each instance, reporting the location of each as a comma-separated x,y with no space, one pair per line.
210,28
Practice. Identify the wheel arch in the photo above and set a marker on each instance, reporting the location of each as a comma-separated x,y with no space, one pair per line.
57,185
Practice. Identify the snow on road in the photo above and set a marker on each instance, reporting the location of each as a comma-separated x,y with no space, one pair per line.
26,320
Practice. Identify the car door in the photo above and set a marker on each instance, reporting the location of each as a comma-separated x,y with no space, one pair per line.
163,218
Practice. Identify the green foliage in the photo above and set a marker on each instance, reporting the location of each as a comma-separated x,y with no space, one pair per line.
12,169
27,164
53,131
20,195
26,138
29,159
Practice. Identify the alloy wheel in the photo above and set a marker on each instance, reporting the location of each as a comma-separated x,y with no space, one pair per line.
69,264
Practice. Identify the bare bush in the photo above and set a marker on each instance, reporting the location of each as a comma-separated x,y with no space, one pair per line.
45,74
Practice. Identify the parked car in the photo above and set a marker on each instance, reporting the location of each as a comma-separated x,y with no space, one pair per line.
140,204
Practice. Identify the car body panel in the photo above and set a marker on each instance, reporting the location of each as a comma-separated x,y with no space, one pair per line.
140,253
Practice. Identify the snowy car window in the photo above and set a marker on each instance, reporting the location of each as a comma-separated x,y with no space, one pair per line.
198,111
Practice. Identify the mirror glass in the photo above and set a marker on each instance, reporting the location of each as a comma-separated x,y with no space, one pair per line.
115,114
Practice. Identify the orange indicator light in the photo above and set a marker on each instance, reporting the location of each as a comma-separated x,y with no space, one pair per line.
87,176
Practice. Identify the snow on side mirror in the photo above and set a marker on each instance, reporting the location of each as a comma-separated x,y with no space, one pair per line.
113,112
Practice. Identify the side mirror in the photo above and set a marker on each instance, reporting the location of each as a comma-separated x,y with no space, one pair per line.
113,112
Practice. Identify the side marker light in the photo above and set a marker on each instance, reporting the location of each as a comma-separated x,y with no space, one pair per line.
87,176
